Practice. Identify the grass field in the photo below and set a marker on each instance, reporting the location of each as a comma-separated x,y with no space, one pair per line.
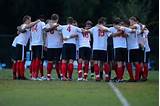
74,93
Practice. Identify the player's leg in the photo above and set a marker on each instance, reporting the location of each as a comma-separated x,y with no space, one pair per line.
20,61
58,52
72,57
13,59
50,57
64,62
145,67
96,64
129,66
86,58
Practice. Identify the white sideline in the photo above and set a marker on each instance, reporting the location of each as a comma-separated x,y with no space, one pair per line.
119,94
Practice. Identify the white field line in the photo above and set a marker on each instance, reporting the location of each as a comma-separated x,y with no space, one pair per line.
119,94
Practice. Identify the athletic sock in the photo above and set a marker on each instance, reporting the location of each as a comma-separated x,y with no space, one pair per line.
49,69
145,72
107,71
129,68
18,70
38,61
79,70
70,70
119,73
138,70
64,70
86,68
22,70
58,70
97,70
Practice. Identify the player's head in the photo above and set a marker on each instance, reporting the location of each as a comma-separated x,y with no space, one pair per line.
75,23
42,17
55,17
138,19
117,21
88,24
126,22
26,19
102,20
133,20
70,20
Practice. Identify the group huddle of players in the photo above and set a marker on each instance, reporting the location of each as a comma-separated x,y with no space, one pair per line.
101,49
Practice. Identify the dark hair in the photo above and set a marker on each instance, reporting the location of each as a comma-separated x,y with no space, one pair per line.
138,19
117,21
42,17
88,22
101,20
70,20
133,18
26,17
54,17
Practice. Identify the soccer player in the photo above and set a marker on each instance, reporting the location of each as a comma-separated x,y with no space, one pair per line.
84,52
146,54
21,42
69,33
36,46
54,45
100,49
120,46
134,49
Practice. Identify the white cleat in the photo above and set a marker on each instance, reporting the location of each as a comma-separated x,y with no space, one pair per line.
80,79
43,78
33,79
39,79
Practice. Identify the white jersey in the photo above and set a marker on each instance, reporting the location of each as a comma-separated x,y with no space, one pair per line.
53,39
99,38
118,41
84,40
23,38
37,34
67,31
132,39
14,43
146,44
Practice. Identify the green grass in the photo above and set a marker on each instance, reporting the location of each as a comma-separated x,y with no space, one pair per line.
73,93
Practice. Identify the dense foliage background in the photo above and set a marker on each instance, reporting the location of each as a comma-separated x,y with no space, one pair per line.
12,12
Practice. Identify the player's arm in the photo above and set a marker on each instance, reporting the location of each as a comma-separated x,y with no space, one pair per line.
23,27
70,37
32,24
50,27
103,28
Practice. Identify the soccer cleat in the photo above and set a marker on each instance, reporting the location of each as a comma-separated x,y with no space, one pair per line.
98,79
49,79
33,79
64,79
85,79
43,78
38,79
80,79
119,81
